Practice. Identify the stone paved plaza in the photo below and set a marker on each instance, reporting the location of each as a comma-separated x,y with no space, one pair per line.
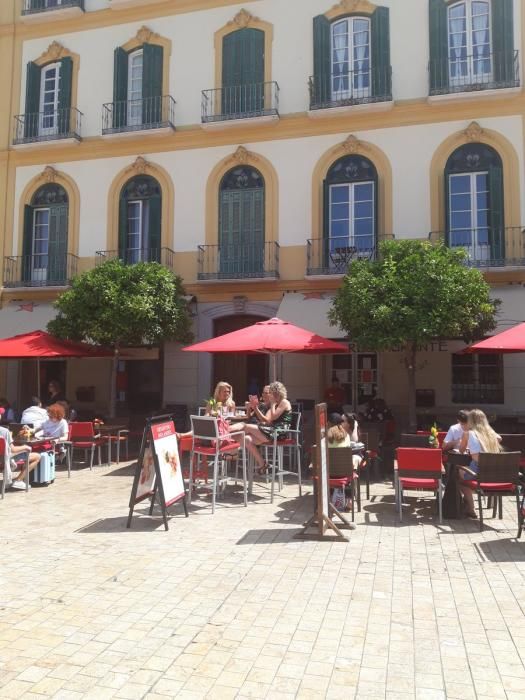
232,606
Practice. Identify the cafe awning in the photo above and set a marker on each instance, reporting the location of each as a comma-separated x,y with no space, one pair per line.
310,310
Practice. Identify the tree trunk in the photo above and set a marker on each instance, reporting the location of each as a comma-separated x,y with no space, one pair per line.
113,388
411,375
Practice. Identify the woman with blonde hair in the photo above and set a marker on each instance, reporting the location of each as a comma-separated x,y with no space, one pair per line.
276,422
479,437
223,394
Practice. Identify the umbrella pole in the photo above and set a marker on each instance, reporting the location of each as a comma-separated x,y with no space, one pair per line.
273,369
38,377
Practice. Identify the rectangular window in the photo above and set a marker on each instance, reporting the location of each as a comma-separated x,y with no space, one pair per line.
49,96
469,214
351,223
135,73
357,375
138,232
40,247
469,43
477,379
351,59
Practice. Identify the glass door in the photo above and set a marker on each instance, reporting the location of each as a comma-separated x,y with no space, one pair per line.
135,76
137,239
469,214
351,223
469,43
40,249
351,59
49,93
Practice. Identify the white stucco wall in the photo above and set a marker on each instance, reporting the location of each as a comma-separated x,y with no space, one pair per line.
409,150
192,61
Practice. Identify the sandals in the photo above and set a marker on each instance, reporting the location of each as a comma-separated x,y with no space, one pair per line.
471,514
262,471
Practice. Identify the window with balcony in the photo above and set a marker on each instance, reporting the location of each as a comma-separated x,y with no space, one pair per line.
33,7
351,60
44,260
48,114
472,46
474,204
140,221
244,93
241,223
350,217
138,103
477,379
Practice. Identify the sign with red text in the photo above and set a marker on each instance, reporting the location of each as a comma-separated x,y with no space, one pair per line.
167,452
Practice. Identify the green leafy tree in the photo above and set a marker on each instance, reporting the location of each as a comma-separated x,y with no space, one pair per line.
118,305
414,293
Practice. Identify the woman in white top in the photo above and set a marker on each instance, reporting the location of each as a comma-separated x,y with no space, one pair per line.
479,437
56,426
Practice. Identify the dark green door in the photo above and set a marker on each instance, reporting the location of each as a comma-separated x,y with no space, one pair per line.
241,233
57,265
243,73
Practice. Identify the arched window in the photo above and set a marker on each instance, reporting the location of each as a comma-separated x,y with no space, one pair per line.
350,211
44,249
241,223
140,220
474,192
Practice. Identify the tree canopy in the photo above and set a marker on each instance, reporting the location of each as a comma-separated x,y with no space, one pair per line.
123,305
413,293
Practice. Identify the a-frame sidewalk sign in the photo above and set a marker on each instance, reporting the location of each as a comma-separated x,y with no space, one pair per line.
159,471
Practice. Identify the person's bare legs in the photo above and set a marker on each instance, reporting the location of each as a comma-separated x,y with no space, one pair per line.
34,459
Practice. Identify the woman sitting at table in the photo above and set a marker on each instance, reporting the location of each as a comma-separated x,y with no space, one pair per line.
55,427
479,437
223,394
276,422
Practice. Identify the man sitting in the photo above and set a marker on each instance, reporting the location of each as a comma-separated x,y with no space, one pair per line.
455,432
34,415
11,452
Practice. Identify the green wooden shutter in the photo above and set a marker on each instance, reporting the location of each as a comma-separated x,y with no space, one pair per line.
323,254
503,42
322,89
243,72
120,88
152,84
64,96
27,244
57,250
438,34
31,119
496,219
380,39
123,229
154,220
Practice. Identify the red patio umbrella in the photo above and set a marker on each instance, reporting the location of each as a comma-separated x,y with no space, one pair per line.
511,340
39,344
271,337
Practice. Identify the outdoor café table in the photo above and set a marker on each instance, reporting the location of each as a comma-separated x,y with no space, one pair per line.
110,432
452,500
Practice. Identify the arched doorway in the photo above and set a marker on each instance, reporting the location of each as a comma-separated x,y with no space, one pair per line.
240,370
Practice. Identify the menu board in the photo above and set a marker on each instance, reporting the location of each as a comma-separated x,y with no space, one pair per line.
167,453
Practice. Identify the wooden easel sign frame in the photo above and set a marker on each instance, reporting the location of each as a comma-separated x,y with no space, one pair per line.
158,471
323,508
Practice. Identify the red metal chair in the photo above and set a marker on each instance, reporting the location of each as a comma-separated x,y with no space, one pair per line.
419,469
82,436
207,442
498,475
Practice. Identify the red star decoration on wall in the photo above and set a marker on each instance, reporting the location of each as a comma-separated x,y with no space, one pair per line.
29,306
313,295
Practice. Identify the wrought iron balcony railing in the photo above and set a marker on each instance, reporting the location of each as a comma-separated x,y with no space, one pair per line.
51,125
487,247
138,115
332,256
31,7
238,261
355,87
240,102
131,256
464,73
42,270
